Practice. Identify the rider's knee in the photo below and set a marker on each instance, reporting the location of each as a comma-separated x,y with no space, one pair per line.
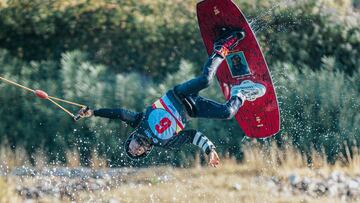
206,81
230,113
177,92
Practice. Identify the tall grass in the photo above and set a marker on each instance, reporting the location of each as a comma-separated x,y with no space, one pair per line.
272,160
196,184
7,191
10,158
264,158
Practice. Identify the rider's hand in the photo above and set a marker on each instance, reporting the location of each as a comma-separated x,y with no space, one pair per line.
85,113
214,159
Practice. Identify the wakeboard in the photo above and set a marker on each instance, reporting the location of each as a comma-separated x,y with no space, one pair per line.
259,118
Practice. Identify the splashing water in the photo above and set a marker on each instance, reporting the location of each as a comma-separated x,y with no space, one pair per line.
261,22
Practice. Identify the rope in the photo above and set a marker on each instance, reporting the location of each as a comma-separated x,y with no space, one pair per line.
50,98
18,85
62,108
68,102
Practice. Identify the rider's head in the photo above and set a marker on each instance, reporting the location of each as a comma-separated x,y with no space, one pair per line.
138,146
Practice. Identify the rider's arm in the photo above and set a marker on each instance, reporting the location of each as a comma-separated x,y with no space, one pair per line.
201,141
192,137
131,118
196,138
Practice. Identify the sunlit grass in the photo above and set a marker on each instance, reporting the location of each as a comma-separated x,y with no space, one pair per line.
259,158
230,182
7,191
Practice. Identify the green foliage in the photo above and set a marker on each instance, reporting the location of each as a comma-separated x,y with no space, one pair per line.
356,3
127,35
305,33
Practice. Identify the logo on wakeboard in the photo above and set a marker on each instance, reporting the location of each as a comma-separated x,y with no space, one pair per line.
216,10
238,64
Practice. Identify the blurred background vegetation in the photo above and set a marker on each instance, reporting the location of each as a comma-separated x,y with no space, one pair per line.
128,53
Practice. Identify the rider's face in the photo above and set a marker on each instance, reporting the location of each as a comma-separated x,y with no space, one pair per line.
135,148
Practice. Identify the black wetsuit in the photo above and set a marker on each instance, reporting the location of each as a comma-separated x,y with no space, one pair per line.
164,121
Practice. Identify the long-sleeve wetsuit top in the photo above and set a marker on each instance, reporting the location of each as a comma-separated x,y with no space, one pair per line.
163,122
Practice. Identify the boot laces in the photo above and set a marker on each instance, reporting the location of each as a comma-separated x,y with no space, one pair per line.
250,94
229,41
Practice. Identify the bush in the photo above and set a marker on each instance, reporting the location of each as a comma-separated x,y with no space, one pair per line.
126,36
151,36
319,109
305,33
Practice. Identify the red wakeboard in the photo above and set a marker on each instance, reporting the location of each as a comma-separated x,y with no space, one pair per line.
260,118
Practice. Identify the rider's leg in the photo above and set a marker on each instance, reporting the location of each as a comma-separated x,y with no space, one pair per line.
205,108
221,48
194,86
246,91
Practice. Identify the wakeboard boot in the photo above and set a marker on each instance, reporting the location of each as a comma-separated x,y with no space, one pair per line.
248,90
228,41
